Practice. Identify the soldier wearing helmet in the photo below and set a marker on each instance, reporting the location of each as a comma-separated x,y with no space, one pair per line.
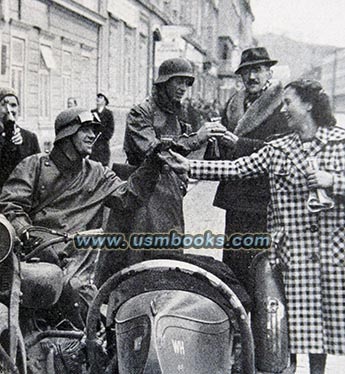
67,192
157,122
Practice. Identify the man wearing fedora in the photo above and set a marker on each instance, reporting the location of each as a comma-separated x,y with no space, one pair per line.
251,116
101,148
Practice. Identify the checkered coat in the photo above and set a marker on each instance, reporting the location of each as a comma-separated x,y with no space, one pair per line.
309,246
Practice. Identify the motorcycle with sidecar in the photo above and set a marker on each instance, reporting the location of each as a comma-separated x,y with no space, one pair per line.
184,314
38,333
171,314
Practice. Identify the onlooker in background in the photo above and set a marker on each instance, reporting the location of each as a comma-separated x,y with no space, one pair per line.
15,143
101,148
72,102
251,115
191,115
217,107
209,113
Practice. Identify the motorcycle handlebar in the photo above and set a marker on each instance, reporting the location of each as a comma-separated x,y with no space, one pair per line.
62,237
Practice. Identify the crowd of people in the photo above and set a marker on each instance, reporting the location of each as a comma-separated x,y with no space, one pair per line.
275,146
196,111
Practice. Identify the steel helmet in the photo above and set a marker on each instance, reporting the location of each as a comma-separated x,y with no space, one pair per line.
175,67
69,121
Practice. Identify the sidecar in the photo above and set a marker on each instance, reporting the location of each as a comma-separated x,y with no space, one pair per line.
171,316
26,290
188,314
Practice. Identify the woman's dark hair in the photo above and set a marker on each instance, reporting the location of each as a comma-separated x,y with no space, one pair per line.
311,91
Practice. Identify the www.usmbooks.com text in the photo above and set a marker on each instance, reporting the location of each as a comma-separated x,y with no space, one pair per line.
173,240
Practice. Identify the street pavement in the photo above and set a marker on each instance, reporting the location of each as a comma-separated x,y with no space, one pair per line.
200,216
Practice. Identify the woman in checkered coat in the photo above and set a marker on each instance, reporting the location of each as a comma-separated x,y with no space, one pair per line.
309,241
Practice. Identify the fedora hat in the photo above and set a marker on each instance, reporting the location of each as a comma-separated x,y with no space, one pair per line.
255,56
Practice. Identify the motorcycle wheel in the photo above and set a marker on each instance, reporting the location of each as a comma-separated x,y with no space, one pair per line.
6,364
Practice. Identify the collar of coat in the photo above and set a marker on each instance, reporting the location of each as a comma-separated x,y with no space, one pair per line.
262,108
162,100
65,157
291,145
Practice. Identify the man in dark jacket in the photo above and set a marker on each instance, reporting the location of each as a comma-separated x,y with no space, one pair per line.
251,116
101,148
66,192
15,143
157,121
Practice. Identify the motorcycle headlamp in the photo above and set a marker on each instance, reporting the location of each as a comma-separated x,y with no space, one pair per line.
7,237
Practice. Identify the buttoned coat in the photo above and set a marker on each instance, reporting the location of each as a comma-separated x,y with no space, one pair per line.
11,154
41,193
147,125
101,148
253,126
309,246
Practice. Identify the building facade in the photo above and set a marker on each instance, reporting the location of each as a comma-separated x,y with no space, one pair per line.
54,49
50,51
235,35
332,76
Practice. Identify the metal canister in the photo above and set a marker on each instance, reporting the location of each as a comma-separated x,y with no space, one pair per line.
269,317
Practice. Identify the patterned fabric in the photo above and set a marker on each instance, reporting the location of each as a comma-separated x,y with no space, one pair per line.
309,246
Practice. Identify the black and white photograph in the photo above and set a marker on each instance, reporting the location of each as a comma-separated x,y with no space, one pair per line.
172,187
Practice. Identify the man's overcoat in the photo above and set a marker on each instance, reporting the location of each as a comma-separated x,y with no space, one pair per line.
11,154
42,191
309,246
101,148
147,125
253,126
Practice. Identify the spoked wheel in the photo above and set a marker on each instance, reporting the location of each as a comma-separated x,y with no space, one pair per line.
6,363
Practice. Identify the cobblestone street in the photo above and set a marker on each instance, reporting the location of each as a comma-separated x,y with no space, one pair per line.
200,216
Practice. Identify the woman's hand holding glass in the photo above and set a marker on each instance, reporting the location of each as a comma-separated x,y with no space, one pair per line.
319,179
